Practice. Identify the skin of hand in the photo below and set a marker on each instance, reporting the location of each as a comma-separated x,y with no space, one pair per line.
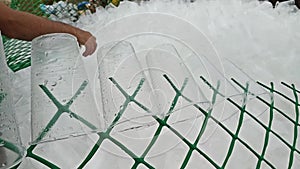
90,46
89,41
25,26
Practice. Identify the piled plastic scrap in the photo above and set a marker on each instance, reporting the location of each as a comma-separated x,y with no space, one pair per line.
62,10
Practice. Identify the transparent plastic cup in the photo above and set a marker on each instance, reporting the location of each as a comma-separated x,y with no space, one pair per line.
11,150
117,61
136,93
63,105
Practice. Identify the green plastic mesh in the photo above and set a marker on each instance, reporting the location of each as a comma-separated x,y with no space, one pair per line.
17,53
18,57
193,145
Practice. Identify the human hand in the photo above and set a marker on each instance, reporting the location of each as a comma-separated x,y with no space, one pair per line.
90,46
88,40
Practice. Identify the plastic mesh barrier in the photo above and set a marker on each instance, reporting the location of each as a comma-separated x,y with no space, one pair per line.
238,144
262,156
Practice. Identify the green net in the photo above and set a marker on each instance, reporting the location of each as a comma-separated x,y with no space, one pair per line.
233,136
236,142
17,53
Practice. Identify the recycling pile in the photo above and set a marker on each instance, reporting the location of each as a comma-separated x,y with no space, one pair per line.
64,10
